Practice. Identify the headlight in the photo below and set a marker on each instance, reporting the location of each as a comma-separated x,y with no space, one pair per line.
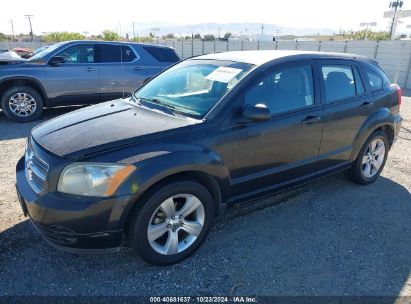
92,179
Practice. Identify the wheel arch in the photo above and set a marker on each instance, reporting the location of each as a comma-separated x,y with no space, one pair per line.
9,82
381,120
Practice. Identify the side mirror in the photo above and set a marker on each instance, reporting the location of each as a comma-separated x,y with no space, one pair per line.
257,112
56,60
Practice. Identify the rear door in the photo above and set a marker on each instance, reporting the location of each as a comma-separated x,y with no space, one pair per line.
346,105
121,70
76,80
272,153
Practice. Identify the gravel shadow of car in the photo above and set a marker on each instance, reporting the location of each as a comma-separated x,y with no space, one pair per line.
332,238
13,130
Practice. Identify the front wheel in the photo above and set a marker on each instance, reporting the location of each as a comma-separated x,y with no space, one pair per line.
371,159
22,103
170,223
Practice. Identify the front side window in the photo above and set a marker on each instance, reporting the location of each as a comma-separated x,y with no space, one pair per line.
193,87
78,54
338,81
284,90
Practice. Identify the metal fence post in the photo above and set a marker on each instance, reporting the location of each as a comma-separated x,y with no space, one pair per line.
276,45
319,46
227,46
345,46
296,45
376,49
214,46
182,48
192,47
399,63
242,45
202,47
258,45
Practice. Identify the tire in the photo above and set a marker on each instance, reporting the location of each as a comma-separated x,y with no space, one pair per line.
159,250
359,173
31,99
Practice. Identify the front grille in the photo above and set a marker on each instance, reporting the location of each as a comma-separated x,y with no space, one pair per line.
36,170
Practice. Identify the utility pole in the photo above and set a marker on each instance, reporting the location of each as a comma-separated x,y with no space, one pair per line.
12,29
394,5
31,28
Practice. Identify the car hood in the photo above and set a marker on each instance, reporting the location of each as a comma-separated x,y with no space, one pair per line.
103,127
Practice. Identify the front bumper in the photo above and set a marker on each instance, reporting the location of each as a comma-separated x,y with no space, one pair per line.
74,223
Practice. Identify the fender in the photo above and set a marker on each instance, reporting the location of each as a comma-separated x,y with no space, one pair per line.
152,167
379,118
27,78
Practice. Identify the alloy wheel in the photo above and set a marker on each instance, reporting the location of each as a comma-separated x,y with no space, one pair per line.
176,224
373,158
22,104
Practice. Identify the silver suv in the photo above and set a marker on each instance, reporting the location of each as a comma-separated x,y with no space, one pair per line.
76,73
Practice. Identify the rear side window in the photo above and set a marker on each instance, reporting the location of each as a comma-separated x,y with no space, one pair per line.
116,53
375,81
162,54
338,81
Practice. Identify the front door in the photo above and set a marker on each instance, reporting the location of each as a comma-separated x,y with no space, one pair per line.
76,80
270,154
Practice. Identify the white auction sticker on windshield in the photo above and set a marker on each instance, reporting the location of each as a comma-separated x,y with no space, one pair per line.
223,74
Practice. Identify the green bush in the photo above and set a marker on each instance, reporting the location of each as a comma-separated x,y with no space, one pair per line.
110,36
62,36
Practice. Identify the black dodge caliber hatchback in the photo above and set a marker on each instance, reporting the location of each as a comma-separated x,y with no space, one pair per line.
206,133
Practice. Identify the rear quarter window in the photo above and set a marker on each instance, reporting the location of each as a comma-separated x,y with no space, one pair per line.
375,81
162,54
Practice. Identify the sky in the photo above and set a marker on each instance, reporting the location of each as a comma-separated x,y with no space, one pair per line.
95,16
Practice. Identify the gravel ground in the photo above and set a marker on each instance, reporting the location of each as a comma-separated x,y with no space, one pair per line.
329,238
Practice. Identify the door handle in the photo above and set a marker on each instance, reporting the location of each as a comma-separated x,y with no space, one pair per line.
89,69
137,68
367,104
310,120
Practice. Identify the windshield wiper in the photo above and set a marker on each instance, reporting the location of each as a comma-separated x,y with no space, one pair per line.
168,107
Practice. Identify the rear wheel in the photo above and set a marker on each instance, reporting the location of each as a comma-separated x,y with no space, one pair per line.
22,103
170,223
371,159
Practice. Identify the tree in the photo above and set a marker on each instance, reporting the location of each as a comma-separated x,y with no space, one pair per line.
209,38
3,37
371,35
143,39
227,35
62,36
197,36
110,36
169,36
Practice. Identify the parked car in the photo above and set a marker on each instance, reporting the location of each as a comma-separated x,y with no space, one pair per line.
23,52
36,51
206,133
78,72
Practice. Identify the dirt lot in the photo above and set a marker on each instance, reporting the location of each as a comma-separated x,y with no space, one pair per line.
331,238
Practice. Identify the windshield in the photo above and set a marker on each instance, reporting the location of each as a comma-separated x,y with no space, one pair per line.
194,86
46,51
